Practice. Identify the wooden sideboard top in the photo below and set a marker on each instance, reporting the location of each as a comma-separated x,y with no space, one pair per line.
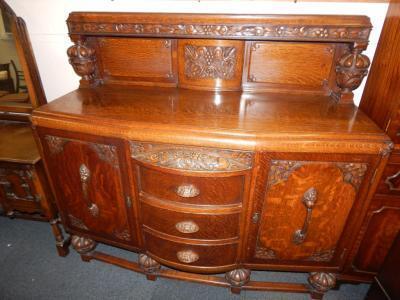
225,119
17,143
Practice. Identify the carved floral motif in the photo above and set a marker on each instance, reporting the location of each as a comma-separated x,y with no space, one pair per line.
265,253
190,158
227,30
122,235
76,222
210,62
106,153
324,255
281,169
56,144
353,173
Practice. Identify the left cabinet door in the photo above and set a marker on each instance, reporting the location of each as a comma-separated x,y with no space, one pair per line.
91,192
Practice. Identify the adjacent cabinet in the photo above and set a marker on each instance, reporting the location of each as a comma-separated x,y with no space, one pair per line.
206,144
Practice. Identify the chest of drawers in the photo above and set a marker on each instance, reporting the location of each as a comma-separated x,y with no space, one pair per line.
197,142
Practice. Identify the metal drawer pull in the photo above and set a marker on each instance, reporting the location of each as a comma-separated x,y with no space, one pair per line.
392,186
187,191
187,227
84,173
309,199
187,256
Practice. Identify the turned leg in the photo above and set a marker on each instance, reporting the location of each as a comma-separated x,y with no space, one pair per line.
321,283
237,278
149,266
61,243
84,246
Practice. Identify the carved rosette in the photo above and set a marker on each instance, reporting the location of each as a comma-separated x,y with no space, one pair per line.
238,277
277,32
83,60
213,62
351,69
83,245
322,282
190,158
148,264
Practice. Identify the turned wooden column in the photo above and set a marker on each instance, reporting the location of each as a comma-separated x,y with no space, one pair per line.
237,278
321,282
149,266
84,246
62,244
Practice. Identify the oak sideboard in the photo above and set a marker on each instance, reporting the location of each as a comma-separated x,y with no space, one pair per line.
216,144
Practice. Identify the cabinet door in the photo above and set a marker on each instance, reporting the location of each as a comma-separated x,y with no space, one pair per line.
382,226
86,174
302,213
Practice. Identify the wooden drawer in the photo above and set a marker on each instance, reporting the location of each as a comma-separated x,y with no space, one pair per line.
191,189
190,254
390,180
190,225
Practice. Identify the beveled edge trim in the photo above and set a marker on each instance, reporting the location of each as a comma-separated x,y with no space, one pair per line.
191,158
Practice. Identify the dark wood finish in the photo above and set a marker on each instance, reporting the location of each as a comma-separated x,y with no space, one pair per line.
204,170
386,284
381,101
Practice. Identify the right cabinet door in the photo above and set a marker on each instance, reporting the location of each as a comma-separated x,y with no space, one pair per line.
303,208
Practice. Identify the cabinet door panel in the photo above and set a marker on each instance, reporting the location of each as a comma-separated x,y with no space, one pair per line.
304,210
383,224
88,183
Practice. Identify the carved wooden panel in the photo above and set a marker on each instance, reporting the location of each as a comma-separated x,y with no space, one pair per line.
277,27
210,64
316,197
89,186
123,60
17,189
382,227
272,65
191,158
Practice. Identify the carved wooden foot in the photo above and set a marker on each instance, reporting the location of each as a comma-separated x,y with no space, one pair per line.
237,278
149,266
321,283
11,214
84,246
62,244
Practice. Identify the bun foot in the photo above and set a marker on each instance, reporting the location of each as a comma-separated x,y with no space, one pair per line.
149,266
237,278
84,246
321,282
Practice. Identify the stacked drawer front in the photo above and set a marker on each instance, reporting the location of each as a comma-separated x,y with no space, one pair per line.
191,201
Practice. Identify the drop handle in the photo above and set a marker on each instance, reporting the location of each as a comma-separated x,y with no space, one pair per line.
85,174
390,181
309,200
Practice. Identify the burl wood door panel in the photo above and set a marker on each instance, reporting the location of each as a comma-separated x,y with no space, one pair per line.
86,175
304,210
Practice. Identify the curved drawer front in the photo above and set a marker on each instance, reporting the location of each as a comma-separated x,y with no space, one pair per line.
190,225
189,254
191,189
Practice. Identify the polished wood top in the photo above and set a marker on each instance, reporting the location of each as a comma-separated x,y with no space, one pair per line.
17,143
238,119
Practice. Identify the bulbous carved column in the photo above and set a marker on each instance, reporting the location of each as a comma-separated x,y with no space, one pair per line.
83,246
149,266
320,283
83,60
351,69
237,278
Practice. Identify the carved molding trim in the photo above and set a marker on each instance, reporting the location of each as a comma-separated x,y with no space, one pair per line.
56,144
353,173
213,62
265,253
83,60
280,170
191,158
76,222
122,235
261,31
